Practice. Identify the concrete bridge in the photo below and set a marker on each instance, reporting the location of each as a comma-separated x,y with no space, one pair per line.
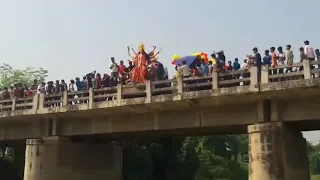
272,109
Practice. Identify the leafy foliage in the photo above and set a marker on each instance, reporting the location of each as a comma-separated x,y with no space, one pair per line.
9,75
314,158
12,156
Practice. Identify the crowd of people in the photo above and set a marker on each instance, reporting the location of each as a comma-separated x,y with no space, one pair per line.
272,57
143,66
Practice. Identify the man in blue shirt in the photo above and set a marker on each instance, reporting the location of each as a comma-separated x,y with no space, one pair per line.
204,68
79,84
266,58
236,65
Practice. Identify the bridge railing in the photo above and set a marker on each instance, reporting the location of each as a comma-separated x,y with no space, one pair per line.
301,70
28,105
148,92
314,70
145,91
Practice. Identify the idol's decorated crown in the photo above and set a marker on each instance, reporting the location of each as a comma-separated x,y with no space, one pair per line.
141,46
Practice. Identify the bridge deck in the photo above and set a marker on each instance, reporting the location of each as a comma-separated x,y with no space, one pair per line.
182,106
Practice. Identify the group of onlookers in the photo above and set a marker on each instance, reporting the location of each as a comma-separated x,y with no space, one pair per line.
90,80
120,73
272,57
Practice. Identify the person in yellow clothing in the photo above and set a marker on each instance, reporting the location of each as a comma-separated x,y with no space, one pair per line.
213,61
178,72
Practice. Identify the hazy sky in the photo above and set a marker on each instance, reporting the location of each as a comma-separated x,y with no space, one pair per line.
72,37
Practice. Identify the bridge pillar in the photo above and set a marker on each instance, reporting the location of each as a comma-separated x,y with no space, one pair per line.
59,158
277,153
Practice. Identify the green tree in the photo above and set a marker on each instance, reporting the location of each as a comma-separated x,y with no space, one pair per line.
9,75
12,162
215,157
314,157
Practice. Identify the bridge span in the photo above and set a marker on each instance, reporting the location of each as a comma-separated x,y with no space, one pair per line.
273,109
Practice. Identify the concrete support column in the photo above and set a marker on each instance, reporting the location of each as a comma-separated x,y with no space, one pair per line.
33,168
277,153
59,158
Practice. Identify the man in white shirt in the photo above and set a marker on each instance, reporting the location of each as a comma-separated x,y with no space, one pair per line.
244,65
72,86
308,51
185,69
41,88
281,56
114,68
290,58
281,59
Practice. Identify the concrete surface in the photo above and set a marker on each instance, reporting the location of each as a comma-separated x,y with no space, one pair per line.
214,111
58,158
273,113
277,153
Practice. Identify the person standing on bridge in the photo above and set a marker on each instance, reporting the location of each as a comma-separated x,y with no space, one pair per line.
5,94
308,51
217,64
290,58
267,59
229,66
281,59
80,84
244,65
204,68
184,69
63,86
114,68
274,62
88,79
57,87
221,58
34,86
236,65
42,88
317,52
256,60
72,86
27,92
130,67
302,57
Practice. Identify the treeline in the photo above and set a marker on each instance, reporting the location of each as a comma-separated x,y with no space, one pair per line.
185,158
178,158
188,158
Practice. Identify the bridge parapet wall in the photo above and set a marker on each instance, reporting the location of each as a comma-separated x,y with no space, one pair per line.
219,84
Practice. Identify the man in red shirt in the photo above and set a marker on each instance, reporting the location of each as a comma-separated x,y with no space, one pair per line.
122,71
229,66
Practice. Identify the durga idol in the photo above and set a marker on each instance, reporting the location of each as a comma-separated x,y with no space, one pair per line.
141,61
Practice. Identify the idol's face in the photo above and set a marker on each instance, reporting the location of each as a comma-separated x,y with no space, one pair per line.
141,50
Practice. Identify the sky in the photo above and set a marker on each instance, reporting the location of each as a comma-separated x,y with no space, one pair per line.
70,38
